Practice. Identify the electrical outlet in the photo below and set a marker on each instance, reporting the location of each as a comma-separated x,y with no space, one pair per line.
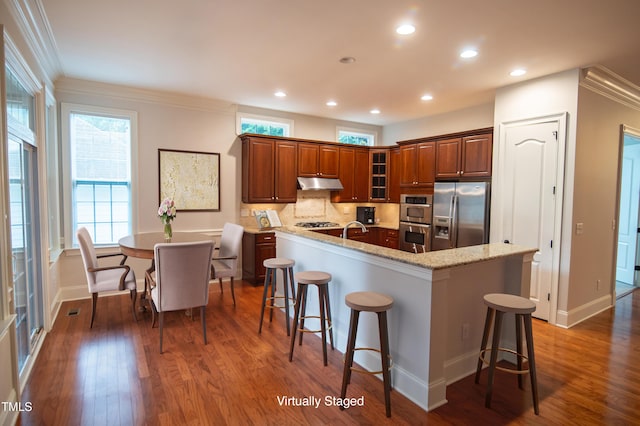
244,212
598,285
465,331
579,228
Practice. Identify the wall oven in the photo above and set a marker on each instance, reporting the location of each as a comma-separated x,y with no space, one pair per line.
415,223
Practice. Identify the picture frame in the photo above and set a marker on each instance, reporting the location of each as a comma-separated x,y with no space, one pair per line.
190,178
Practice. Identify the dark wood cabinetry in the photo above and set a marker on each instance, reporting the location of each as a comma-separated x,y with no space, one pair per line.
269,169
417,165
393,182
379,174
256,248
388,238
318,160
464,157
354,175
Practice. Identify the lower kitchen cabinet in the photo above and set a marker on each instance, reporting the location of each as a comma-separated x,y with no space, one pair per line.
256,248
388,238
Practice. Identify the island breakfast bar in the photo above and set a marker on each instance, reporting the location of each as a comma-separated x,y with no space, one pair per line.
436,324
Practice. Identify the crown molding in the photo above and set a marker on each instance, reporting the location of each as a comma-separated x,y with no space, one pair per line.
609,84
31,19
133,94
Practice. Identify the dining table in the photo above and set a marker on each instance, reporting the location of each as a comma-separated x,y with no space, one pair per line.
142,245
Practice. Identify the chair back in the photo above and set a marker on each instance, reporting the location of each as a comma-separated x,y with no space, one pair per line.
230,243
89,257
182,274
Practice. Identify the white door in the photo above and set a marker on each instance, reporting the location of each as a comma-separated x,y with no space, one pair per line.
628,221
528,181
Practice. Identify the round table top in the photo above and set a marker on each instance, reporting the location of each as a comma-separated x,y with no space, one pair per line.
141,245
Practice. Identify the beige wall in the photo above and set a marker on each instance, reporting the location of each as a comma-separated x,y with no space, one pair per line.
476,117
598,142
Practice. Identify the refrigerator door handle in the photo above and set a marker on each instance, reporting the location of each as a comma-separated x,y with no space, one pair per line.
454,222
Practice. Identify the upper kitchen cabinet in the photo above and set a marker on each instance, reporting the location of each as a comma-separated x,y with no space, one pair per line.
379,174
318,160
354,175
269,170
417,165
464,157
394,167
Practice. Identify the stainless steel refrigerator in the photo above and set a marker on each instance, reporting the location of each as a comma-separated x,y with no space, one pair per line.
460,214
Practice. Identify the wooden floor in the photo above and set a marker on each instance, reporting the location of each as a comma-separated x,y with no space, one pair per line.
113,374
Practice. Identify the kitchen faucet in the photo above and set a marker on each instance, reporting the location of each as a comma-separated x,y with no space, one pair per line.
353,222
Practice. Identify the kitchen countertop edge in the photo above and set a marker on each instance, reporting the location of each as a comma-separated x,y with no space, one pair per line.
434,260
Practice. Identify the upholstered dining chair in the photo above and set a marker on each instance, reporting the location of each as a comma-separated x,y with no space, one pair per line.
106,278
181,280
225,263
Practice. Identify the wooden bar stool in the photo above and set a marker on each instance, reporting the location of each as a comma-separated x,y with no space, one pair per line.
321,280
497,305
270,280
368,301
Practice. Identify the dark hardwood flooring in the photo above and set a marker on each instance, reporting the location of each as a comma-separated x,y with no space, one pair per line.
114,373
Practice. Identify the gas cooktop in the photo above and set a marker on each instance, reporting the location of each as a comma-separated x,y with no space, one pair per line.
317,224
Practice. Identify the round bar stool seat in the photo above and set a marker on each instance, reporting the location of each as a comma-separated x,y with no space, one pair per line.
321,280
270,282
368,301
499,304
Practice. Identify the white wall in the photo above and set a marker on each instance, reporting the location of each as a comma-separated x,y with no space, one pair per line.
554,94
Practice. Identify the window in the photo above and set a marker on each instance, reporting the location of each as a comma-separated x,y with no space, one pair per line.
262,125
100,143
356,137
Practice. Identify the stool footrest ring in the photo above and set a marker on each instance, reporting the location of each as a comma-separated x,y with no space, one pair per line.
508,370
304,330
292,302
363,371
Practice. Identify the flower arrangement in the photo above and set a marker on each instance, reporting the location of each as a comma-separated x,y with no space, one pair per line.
167,212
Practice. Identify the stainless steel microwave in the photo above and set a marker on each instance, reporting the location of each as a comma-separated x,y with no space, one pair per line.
416,208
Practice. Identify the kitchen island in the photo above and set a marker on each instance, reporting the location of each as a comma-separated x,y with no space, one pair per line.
436,323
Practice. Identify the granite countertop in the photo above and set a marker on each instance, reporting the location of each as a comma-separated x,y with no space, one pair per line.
433,260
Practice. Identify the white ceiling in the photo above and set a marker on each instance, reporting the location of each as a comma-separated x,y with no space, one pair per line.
242,51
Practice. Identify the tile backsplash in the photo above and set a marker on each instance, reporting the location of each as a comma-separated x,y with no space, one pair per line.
315,206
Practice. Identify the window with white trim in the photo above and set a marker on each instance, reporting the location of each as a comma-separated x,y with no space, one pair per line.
263,125
99,183
355,137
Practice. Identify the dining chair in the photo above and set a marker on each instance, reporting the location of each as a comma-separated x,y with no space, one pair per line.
105,278
225,263
181,280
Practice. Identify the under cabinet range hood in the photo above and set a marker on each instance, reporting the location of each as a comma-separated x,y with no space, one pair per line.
314,183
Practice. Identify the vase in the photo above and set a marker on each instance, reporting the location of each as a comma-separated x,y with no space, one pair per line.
168,232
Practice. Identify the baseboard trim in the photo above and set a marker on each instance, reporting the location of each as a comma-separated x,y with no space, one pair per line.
575,316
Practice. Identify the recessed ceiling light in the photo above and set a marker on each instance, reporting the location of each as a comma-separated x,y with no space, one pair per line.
347,60
469,53
280,94
332,103
426,97
375,111
517,72
405,29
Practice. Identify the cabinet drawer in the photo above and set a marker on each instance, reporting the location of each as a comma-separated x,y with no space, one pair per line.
392,233
266,238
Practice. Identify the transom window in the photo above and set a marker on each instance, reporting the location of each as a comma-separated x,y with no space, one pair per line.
263,125
100,147
356,137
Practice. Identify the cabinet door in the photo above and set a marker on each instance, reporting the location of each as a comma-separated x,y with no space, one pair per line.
448,158
379,174
408,165
286,169
426,161
307,159
360,175
393,183
347,162
328,161
476,155
258,175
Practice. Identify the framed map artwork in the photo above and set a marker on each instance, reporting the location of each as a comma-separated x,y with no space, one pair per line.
190,178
